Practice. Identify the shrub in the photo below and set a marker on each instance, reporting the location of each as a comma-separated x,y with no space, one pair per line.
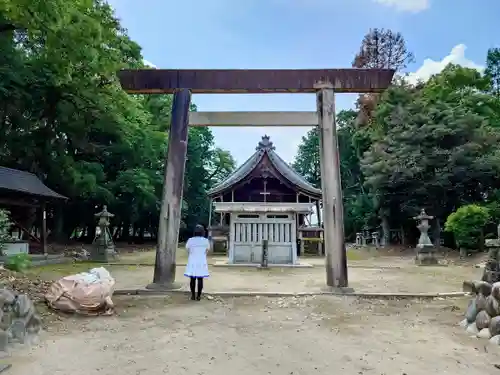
18,262
467,225
5,225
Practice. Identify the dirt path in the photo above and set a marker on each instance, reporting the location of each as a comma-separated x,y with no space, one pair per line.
313,335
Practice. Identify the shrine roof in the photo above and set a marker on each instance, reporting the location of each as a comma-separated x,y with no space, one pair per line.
18,181
266,147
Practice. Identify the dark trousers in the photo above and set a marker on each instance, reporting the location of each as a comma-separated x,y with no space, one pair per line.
192,285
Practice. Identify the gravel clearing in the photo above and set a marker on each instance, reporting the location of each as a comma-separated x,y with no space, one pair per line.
407,279
251,335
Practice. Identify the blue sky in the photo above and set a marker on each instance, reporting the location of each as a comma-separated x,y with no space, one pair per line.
299,34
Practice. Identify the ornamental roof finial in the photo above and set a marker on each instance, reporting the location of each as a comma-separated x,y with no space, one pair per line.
265,144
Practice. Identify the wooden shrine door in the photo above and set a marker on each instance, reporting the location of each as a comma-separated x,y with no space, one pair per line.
248,231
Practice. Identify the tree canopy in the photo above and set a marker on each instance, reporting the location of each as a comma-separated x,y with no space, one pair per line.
65,118
433,145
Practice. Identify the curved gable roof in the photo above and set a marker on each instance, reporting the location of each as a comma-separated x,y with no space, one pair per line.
265,146
25,182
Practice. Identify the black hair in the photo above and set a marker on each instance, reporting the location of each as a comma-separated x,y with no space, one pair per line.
199,231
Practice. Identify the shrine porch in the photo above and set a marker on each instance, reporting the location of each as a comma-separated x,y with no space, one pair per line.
227,263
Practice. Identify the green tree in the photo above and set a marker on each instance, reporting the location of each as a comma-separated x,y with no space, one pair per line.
493,70
307,163
65,118
467,224
431,152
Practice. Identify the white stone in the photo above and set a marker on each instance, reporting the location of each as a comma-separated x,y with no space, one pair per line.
472,329
17,247
495,340
484,333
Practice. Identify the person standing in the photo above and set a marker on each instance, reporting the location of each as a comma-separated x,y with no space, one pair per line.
197,266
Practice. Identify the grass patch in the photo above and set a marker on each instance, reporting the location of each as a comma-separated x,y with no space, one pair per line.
138,258
356,254
56,271
148,257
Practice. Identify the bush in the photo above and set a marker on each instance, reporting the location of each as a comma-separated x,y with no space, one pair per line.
5,225
18,262
467,225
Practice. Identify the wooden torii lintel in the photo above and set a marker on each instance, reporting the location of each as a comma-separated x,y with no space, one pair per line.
258,81
294,118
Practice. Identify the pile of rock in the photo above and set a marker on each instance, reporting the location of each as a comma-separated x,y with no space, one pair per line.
482,318
19,321
34,287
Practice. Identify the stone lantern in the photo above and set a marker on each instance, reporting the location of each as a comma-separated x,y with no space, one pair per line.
492,267
426,252
103,245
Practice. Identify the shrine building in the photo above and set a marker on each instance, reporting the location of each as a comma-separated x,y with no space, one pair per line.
265,198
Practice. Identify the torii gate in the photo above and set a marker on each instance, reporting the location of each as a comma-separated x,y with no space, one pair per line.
181,83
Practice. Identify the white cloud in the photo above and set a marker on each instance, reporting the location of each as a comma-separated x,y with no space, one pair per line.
150,64
431,67
413,6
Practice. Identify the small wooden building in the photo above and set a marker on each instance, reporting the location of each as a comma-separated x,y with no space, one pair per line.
23,194
264,199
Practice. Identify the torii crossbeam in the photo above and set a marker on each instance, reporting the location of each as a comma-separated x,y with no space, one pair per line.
255,81
324,82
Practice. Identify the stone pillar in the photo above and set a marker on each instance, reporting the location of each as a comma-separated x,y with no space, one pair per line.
375,239
320,243
265,255
492,267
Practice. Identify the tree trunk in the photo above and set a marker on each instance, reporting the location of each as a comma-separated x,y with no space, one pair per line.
59,235
437,233
91,229
141,234
481,241
386,231
126,231
117,232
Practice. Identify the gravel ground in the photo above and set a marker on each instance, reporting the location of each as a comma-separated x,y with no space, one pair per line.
364,277
307,335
